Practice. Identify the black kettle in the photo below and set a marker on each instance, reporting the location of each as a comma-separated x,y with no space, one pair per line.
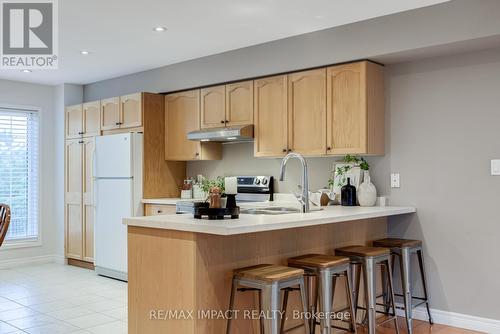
348,194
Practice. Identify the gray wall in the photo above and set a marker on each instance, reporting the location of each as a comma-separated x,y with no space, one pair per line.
389,37
444,123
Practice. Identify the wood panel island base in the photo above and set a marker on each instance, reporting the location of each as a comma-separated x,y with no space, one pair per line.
176,276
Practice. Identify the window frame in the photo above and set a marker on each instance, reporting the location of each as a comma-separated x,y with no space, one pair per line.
38,241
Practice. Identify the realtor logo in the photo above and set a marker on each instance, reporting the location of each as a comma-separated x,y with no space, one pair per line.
29,36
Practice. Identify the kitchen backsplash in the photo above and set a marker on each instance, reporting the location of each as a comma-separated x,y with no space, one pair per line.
238,159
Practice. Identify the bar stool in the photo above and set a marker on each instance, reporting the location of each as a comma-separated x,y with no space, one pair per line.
326,269
403,249
367,258
269,280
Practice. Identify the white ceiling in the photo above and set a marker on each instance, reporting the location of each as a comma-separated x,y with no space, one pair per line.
119,33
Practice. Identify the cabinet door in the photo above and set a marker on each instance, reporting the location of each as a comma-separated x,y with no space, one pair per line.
346,109
92,119
159,209
73,199
88,200
74,121
307,112
239,103
110,114
182,115
270,102
131,112
213,107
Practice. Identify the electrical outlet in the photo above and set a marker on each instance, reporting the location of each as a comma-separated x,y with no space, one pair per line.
495,167
395,183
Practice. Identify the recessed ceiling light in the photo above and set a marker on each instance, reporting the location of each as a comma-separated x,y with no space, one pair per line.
27,71
85,52
159,29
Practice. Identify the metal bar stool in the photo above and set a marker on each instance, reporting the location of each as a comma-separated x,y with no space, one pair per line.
326,269
403,249
270,281
367,258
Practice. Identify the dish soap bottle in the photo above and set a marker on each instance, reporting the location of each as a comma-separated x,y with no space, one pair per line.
348,194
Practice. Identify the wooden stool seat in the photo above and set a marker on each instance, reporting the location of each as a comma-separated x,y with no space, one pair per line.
397,243
269,272
362,251
318,261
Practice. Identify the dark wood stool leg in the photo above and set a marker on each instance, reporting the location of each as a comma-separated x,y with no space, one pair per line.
424,283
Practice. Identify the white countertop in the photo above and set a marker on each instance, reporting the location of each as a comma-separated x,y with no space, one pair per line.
248,223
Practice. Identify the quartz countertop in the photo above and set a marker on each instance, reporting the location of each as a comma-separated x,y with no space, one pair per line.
249,223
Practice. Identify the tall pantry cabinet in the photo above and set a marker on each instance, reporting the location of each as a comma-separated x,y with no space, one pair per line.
82,125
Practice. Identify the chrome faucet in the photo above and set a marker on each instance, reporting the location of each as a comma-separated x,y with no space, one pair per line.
304,197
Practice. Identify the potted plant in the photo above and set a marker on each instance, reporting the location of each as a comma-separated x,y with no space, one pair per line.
207,185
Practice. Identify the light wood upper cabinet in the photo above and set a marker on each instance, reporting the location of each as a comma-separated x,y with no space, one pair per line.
213,107
239,103
307,112
74,121
92,119
271,117
73,199
110,113
182,115
355,109
88,147
131,111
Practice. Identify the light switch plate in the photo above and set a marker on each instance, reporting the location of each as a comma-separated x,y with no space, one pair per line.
495,167
395,182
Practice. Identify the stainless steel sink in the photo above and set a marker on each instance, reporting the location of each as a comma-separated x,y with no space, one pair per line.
273,210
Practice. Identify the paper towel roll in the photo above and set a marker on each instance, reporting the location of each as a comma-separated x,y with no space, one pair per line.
231,185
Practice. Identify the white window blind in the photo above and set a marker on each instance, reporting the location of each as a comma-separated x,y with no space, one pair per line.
19,171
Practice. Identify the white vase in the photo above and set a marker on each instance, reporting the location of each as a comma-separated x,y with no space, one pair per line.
367,193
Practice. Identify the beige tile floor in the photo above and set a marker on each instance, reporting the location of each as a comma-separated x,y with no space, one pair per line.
58,299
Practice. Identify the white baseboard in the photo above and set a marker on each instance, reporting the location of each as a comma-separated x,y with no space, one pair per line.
12,263
456,320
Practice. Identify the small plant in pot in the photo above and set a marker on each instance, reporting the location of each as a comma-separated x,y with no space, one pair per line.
214,187
340,174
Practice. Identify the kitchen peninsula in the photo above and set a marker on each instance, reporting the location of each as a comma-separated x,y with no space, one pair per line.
177,262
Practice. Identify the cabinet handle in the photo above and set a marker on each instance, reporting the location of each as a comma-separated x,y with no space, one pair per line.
80,142
284,150
197,154
80,133
226,121
222,122
328,148
159,211
289,150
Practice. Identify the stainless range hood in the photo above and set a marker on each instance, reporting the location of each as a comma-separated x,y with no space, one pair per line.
242,133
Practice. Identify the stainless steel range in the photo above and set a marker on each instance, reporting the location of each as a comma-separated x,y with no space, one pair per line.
250,189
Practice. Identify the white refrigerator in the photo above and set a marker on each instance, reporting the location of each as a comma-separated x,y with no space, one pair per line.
118,189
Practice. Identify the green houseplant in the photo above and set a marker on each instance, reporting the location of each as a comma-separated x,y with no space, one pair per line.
340,173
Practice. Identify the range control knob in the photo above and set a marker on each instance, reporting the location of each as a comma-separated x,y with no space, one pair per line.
257,181
264,181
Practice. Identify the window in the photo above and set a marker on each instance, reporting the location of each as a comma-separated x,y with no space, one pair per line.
19,171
